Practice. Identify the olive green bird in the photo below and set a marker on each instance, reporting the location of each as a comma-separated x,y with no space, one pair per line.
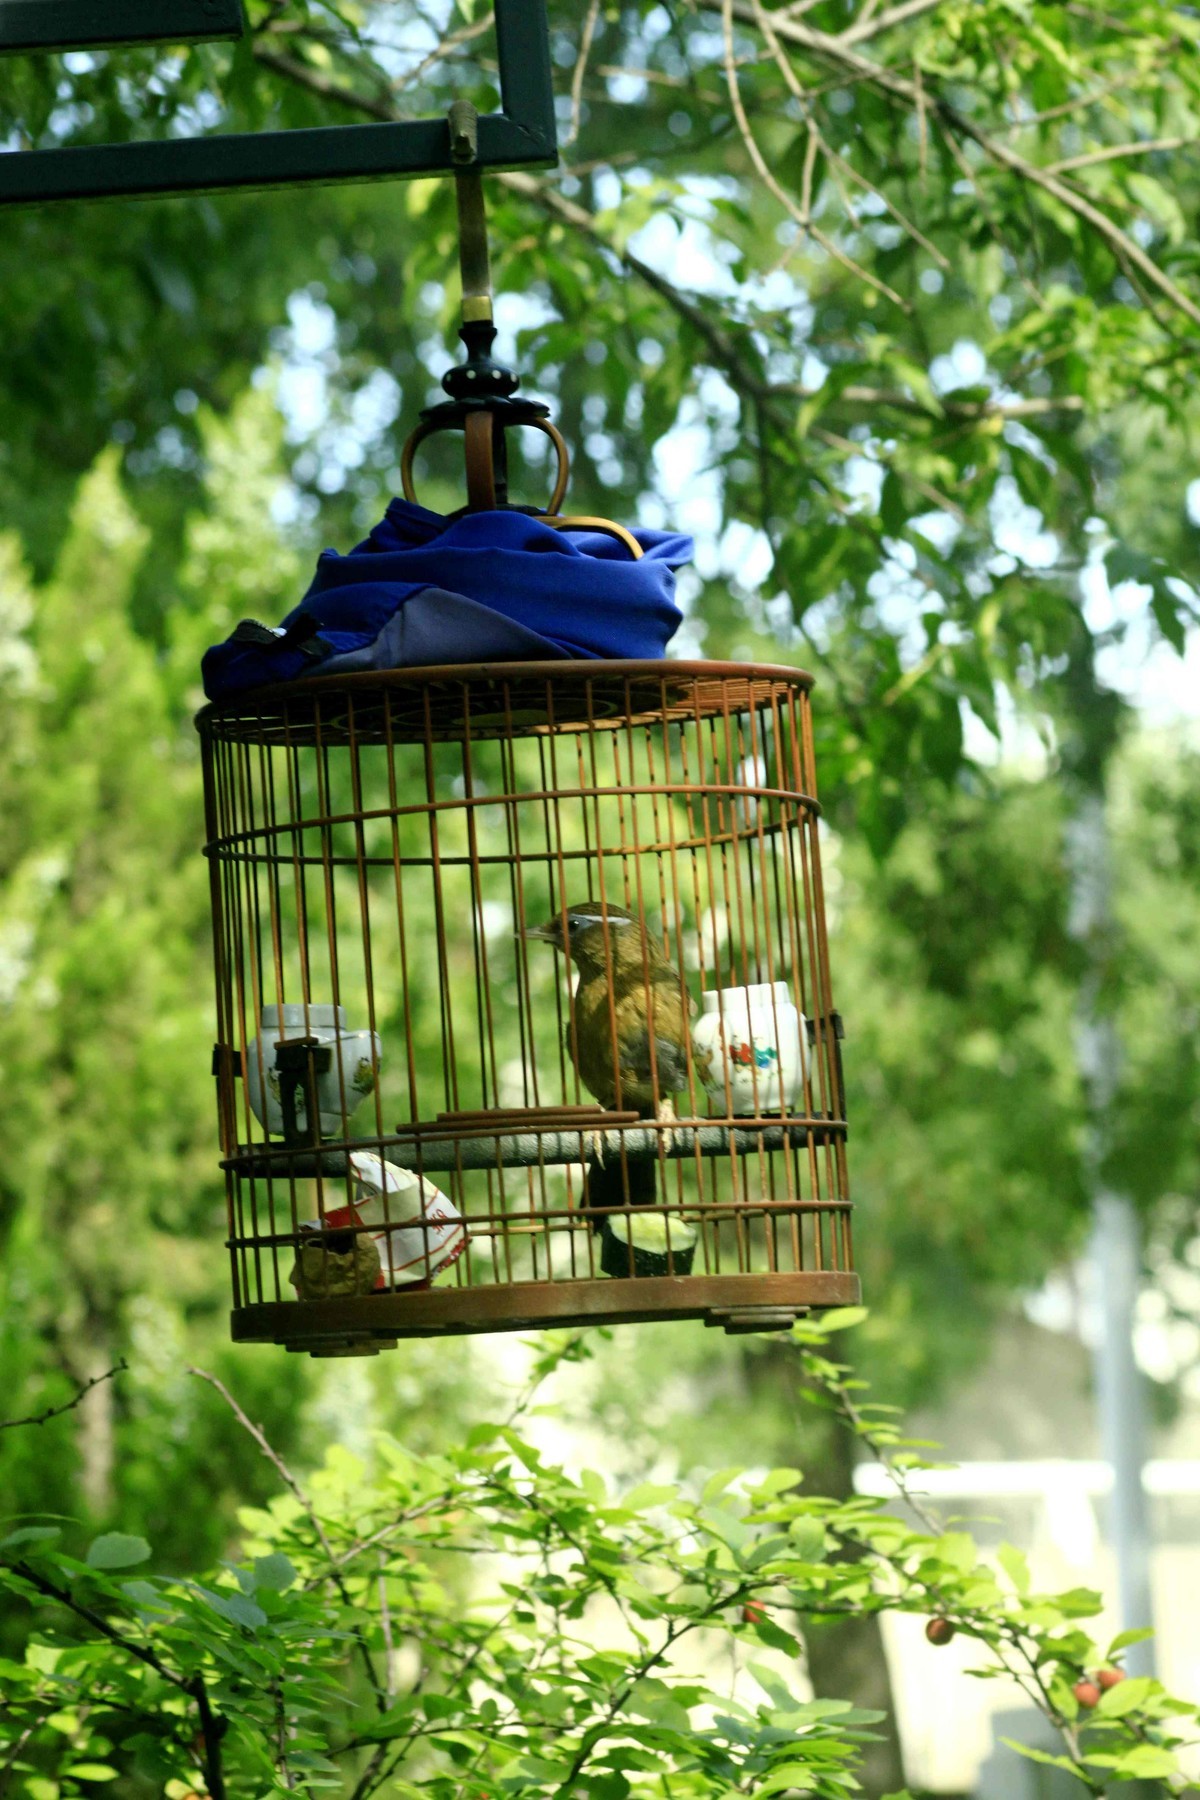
629,1033
335,1266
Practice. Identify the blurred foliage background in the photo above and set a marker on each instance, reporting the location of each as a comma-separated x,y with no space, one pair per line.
893,307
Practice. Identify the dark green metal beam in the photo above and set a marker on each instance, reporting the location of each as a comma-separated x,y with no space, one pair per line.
522,135
92,24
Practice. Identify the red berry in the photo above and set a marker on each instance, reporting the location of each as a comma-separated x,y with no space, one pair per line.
940,1630
1110,1678
1087,1693
753,1611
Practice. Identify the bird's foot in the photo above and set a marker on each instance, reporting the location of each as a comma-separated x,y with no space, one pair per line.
665,1114
596,1146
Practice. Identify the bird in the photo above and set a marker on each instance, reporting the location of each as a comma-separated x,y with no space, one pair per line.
629,1031
335,1265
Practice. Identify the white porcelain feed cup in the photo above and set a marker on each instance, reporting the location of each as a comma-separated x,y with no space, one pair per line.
341,1090
751,1049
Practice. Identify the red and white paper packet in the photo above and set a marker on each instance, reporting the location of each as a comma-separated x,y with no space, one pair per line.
425,1233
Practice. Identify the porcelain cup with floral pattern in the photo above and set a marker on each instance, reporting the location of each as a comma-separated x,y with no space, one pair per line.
351,1075
750,1048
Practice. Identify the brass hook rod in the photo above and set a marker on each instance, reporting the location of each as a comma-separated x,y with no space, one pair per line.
473,255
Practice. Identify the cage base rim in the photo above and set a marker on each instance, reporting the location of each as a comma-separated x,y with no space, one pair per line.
377,1320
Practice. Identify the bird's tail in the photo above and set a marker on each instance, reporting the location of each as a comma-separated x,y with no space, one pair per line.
620,1184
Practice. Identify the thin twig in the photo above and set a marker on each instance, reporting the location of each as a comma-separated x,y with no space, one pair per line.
54,1412
998,235
581,62
99,1623
652,77
269,1451
276,27
321,85
302,1500
1027,1670
464,35
281,1761
7,1766
865,28
212,1726
385,1626
1110,153
890,81
802,219
1079,103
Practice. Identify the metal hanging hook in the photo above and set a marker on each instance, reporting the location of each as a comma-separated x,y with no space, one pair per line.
484,402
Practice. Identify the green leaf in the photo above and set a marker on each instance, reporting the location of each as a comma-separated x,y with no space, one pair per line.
786,1775
716,1484
88,1771
1144,1762
843,1318
774,1635
1015,1565
807,1536
30,1534
117,1550
234,1607
276,1572
649,1494
958,1550
143,1593
1044,1756
771,1684
1079,1603
1126,1698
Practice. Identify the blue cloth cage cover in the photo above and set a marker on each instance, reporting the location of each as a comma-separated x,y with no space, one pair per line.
485,586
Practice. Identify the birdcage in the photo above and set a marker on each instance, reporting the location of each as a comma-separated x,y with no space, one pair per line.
431,1114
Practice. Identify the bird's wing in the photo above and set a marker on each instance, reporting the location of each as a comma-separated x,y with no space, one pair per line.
670,1060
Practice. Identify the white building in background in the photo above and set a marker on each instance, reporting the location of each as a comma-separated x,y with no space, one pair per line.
1023,1434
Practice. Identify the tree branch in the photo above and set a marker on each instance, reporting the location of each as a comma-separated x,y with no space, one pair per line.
837,49
212,1726
800,215
723,345
322,86
840,50
865,28
581,62
1012,1651
1110,152
99,1623
54,1412
302,1500
10,1760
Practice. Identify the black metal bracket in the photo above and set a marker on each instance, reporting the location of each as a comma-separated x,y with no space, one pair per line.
833,1022
521,135
833,1019
103,24
299,1061
223,1055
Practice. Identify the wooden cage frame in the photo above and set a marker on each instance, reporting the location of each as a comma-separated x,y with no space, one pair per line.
379,843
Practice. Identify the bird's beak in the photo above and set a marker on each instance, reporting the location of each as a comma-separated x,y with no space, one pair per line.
546,933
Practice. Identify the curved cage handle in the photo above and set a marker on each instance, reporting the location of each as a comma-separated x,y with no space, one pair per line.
478,441
585,522
479,428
